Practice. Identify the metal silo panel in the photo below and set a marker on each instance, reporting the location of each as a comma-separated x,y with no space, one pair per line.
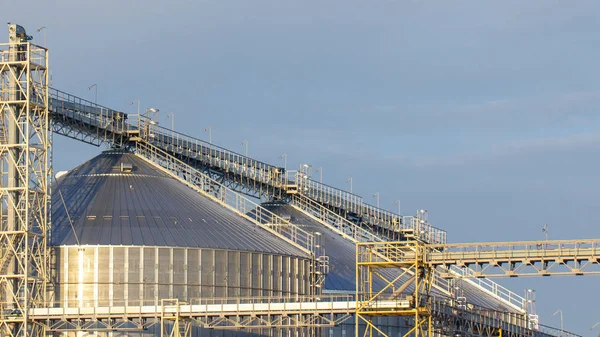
220,273
285,275
87,276
294,275
268,274
299,266
164,272
179,280
306,277
255,282
149,275
125,230
133,291
118,275
193,273
73,276
245,274
103,276
277,276
232,279
60,265
208,273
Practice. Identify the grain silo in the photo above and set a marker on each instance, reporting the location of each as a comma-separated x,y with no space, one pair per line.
125,233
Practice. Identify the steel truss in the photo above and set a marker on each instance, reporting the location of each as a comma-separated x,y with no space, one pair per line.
178,325
121,324
513,259
27,106
258,179
24,185
369,260
449,315
243,174
88,122
176,318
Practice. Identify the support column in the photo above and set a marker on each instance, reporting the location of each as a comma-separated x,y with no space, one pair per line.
25,148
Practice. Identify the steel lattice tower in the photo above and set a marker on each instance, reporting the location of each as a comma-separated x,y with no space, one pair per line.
25,150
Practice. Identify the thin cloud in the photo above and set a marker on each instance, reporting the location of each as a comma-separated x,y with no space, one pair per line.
503,152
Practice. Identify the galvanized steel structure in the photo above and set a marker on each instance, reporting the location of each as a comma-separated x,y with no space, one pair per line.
160,232
25,169
134,238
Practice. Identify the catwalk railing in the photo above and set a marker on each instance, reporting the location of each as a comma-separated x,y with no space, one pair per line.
389,225
269,179
526,258
227,197
324,215
448,316
497,259
355,233
262,312
86,121
95,124
227,313
452,318
213,155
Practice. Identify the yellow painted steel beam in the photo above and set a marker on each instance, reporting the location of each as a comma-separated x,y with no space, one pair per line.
513,259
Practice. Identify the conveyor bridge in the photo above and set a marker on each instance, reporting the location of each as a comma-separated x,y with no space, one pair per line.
280,312
425,262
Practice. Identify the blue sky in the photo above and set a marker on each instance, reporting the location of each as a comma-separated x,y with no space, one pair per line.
483,113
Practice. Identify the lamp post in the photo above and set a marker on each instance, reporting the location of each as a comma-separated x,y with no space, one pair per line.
562,327
209,130
530,300
545,231
397,202
95,92
284,157
171,116
320,170
245,142
305,175
306,168
44,29
349,180
376,195
155,112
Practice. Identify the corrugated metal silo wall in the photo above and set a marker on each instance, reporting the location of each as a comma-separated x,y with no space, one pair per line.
133,275
119,275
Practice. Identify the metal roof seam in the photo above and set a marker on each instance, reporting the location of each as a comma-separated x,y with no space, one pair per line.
152,210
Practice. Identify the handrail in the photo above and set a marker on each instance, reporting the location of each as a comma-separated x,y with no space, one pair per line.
109,122
491,287
440,274
211,154
334,221
227,197
352,203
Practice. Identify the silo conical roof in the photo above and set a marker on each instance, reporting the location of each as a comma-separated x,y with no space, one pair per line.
110,206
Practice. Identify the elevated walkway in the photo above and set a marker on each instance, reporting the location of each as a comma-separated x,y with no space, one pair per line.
86,121
512,259
259,313
224,175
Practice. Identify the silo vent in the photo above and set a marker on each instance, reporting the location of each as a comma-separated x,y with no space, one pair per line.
126,168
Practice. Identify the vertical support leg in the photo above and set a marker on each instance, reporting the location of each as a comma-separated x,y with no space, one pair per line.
25,155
